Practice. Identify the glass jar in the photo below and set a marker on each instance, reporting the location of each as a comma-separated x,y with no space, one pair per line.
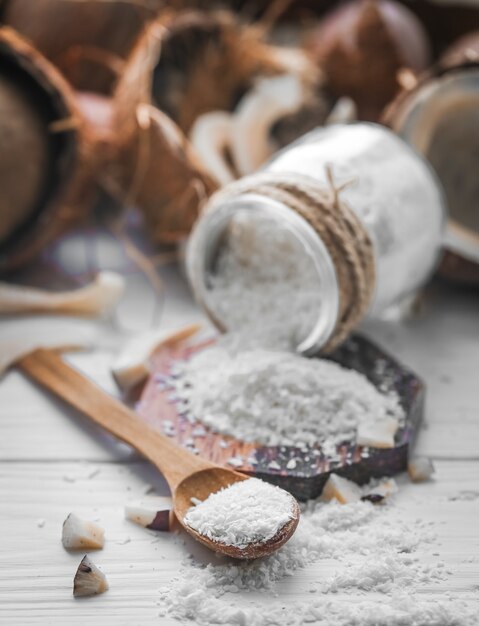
396,219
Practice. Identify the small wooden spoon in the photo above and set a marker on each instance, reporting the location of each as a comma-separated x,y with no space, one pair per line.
187,475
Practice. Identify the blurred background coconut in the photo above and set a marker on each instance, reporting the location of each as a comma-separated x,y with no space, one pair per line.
104,105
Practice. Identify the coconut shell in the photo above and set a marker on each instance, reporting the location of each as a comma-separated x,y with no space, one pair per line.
460,263
464,50
362,45
87,40
46,141
153,165
209,60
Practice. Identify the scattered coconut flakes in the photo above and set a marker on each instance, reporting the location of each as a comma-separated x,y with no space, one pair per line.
280,398
41,522
360,550
420,469
79,534
153,513
89,580
248,511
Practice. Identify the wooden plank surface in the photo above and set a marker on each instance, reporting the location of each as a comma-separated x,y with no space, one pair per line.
52,462
36,573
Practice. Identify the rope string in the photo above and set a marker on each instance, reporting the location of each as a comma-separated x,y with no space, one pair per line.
341,231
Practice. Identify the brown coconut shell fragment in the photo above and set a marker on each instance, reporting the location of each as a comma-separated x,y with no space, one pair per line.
45,151
362,45
88,40
152,164
209,60
439,115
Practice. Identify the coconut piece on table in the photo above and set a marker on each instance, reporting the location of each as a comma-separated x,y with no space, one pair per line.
153,513
341,489
420,469
89,580
132,366
80,534
378,433
380,491
96,298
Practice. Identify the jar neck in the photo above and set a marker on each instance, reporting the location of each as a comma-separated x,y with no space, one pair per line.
207,234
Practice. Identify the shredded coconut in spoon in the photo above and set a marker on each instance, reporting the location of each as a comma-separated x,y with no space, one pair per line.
246,512
279,398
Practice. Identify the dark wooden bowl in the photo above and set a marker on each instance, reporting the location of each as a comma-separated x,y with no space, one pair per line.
311,469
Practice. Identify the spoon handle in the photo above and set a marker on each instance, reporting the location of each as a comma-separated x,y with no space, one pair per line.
50,371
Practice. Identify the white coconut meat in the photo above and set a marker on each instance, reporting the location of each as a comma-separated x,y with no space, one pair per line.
211,138
95,299
80,534
341,489
420,469
377,433
154,513
89,580
132,365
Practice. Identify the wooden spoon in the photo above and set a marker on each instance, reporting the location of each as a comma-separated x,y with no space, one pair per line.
187,475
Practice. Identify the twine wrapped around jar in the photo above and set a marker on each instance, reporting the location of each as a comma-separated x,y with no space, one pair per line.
340,230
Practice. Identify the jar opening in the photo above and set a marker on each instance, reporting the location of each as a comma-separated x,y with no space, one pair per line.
259,269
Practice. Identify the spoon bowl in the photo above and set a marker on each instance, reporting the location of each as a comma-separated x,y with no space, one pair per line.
205,482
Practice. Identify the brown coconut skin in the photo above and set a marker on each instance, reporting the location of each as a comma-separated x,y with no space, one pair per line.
87,40
66,188
22,134
362,45
152,164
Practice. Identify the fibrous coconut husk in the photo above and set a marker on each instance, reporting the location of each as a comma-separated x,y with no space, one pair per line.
362,45
87,40
438,114
152,165
209,60
45,152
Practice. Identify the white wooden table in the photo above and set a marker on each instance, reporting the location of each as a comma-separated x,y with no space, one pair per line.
52,462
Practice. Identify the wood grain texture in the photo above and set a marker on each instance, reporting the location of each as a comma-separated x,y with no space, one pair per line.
36,573
53,462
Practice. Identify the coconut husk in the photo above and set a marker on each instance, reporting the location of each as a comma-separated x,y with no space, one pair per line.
152,165
46,152
88,40
454,165
361,51
209,60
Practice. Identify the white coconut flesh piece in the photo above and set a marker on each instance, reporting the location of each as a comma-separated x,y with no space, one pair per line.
211,137
440,119
80,534
89,580
132,365
343,112
152,513
94,299
19,337
268,101
420,469
341,489
378,433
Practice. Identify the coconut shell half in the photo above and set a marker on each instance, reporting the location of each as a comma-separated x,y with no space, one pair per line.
209,61
43,173
152,164
87,40
439,117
